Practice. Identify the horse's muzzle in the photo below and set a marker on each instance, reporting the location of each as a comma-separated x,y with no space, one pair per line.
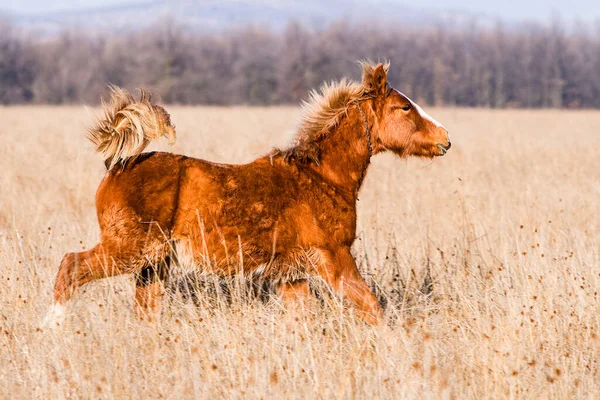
444,148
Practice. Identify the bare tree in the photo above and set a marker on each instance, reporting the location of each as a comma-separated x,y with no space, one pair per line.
17,66
531,65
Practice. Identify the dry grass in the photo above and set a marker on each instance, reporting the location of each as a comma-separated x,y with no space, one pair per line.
506,224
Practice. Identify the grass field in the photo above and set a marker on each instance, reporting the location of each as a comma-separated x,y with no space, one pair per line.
489,259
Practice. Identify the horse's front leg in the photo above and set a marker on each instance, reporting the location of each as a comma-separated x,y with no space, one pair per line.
295,292
340,272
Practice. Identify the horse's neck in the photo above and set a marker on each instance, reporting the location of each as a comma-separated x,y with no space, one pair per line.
344,155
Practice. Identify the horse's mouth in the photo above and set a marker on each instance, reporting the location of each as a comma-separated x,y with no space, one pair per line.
443,148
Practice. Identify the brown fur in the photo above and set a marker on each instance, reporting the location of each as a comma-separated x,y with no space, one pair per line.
323,111
284,217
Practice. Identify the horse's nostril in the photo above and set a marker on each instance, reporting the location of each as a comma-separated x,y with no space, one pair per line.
449,145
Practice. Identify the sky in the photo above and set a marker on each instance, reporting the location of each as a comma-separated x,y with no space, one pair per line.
515,10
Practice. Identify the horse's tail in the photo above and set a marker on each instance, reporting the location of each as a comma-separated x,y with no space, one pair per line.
128,126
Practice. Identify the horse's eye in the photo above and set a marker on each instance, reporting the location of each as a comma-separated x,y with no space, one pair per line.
407,107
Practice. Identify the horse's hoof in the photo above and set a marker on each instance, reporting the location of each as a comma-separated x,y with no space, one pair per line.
55,317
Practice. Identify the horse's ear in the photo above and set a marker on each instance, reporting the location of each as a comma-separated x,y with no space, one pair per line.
380,79
375,78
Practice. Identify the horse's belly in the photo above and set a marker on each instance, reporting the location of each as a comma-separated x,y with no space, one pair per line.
298,263
294,265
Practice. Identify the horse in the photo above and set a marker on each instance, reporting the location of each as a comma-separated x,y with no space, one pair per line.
285,217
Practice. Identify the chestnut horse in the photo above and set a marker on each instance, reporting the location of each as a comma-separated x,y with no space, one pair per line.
284,217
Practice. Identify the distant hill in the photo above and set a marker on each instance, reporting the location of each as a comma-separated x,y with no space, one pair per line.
219,15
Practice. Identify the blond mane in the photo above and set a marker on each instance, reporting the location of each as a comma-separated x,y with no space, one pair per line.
324,110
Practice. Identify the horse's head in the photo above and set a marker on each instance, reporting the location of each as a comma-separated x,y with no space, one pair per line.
400,124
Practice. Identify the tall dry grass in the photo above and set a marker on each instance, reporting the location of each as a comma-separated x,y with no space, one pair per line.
488,258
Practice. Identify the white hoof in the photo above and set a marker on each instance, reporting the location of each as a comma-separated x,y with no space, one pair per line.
55,316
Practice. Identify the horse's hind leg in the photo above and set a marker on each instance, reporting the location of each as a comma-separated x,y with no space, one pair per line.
150,288
106,259
75,270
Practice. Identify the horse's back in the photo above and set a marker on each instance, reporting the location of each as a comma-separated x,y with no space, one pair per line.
234,198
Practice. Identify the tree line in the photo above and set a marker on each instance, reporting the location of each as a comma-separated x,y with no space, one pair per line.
528,66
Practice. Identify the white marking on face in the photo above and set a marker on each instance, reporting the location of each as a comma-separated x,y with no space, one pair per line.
422,113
